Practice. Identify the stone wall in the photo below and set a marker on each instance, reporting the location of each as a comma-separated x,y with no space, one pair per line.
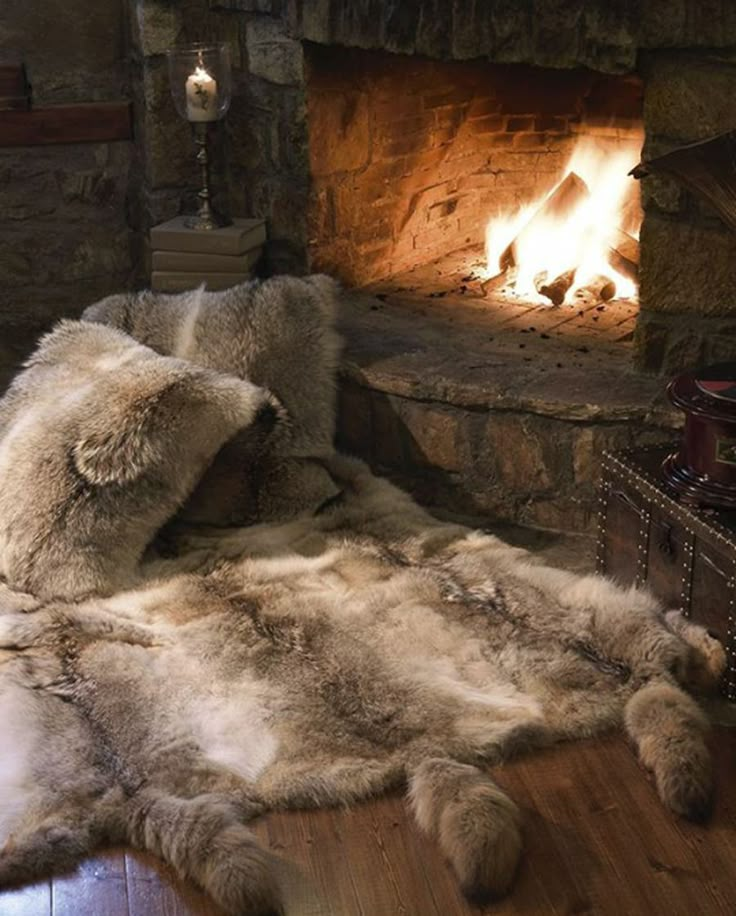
688,282
65,241
605,35
515,465
268,152
410,157
73,50
65,230
78,216
260,159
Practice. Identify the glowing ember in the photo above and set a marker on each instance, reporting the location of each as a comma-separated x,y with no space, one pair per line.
547,246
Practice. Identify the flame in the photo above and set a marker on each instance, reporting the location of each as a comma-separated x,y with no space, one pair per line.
580,241
500,231
201,74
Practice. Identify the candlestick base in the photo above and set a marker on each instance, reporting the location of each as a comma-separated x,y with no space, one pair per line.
207,221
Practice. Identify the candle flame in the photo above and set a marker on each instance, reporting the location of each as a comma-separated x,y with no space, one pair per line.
200,73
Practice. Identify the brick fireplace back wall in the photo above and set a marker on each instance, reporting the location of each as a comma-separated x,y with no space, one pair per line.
409,156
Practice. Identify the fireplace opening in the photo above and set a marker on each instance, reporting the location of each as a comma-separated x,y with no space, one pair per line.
504,186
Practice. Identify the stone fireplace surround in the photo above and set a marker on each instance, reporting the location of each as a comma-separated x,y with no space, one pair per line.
464,420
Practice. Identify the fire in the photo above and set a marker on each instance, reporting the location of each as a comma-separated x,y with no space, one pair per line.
546,245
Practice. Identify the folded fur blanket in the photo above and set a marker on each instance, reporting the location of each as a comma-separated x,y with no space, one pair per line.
318,661
278,334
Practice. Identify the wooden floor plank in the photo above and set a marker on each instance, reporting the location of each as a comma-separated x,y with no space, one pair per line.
98,886
672,879
290,836
598,842
154,890
382,833
318,881
423,856
552,875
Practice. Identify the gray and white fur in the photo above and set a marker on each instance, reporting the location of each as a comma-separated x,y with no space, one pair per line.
277,333
318,662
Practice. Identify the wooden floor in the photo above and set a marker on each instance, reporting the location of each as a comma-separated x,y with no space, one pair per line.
597,842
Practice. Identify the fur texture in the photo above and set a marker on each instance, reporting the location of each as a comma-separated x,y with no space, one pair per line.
476,824
278,333
317,662
101,440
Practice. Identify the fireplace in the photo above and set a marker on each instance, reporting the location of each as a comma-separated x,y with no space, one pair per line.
564,64
509,180
379,139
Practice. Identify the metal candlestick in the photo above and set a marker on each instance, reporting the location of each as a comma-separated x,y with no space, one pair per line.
206,216
201,87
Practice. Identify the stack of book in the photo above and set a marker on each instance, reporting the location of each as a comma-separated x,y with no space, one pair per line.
184,258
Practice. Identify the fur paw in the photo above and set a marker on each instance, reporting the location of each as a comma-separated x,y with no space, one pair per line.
706,660
669,730
688,789
203,840
240,876
477,825
481,836
51,848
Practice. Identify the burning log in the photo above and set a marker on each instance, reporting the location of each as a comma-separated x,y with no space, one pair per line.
566,197
600,287
503,278
706,168
623,255
557,289
493,282
539,280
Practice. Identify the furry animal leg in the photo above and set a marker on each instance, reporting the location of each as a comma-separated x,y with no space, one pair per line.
19,631
55,845
205,841
101,624
669,728
12,602
476,824
706,661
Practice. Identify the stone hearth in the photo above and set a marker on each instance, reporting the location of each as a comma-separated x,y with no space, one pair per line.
492,414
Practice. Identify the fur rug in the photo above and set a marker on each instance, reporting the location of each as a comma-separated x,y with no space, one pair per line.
320,661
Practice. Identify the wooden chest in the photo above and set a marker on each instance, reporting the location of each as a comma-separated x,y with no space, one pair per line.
685,555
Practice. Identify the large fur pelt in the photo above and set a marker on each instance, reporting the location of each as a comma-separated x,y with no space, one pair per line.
318,662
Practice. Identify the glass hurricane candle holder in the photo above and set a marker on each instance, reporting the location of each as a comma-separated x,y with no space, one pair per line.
201,86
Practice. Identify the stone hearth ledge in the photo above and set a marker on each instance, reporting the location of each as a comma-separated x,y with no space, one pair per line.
490,421
444,355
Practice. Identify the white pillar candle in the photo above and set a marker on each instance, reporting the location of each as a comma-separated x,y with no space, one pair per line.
201,96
